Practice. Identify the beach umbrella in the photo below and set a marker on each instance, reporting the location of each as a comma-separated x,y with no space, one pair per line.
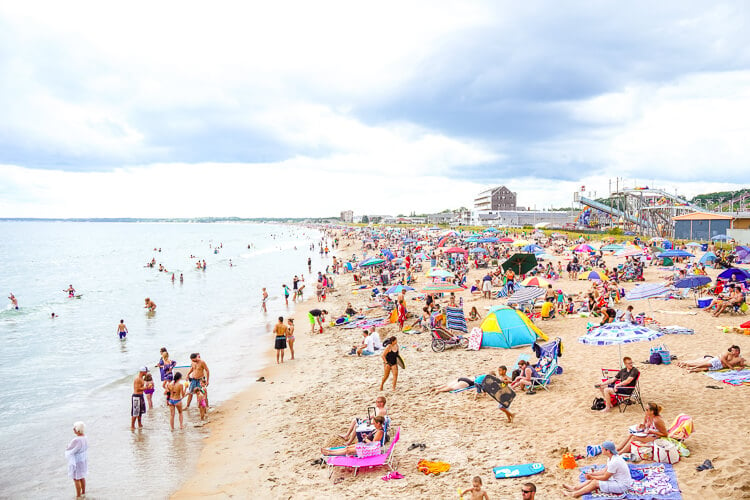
720,237
455,250
692,281
583,247
743,253
525,294
532,248
521,263
490,230
612,247
505,240
707,257
670,254
372,261
473,239
520,243
442,241
629,252
442,288
396,289
535,281
618,333
593,276
646,291
478,250
489,239
436,272
740,274
656,238
693,244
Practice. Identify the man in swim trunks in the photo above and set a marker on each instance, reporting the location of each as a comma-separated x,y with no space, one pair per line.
199,371
729,360
295,284
138,402
13,301
316,315
122,330
265,299
279,332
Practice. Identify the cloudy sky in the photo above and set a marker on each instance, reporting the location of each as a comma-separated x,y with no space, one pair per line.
285,108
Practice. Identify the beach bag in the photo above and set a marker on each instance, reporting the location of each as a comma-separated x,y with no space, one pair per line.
598,404
367,449
665,452
655,358
644,451
663,352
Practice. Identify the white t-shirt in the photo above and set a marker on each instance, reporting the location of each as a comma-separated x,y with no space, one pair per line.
619,470
376,342
369,344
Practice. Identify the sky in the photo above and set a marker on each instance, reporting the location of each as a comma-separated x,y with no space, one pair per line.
298,108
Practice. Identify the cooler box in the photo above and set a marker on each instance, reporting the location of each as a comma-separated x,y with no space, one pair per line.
702,303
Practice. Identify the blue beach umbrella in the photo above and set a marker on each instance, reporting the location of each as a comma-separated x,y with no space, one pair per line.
618,333
478,250
720,237
669,254
396,289
489,239
692,282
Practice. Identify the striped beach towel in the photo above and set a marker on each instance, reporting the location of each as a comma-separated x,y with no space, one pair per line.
455,319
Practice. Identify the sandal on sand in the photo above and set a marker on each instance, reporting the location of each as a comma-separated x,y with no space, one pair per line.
713,387
422,446
705,466
531,391
412,446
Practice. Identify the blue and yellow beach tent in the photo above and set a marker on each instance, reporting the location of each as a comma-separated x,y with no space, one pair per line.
506,327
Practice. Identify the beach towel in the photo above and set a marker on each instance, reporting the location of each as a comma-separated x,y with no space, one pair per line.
426,467
731,377
659,482
676,330
455,319
475,339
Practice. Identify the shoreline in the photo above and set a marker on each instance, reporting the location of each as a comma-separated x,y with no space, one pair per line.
269,434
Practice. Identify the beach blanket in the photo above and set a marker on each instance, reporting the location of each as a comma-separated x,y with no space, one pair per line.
660,482
676,330
426,467
475,339
681,313
731,377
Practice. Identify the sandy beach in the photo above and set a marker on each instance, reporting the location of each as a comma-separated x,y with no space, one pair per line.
262,442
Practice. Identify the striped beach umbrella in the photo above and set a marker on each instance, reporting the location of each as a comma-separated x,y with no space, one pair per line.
525,294
618,333
441,288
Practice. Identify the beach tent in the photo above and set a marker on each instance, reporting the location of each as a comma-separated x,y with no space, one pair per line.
505,327
740,274
707,257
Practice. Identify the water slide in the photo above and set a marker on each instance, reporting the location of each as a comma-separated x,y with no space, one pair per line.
659,192
609,210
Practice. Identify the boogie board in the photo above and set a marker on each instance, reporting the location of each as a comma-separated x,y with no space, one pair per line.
498,390
506,471
400,361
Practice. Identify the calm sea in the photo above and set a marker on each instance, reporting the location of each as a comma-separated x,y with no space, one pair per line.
74,367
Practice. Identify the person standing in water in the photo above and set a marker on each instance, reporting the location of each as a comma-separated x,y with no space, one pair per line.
263,302
290,336
138,402
198,371
13,301
150,305
122,330
309,265
286,293
71,291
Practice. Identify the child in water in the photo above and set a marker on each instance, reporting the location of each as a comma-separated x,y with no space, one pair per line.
148,390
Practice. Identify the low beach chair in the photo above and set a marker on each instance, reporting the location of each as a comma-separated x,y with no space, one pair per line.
544,377
356,462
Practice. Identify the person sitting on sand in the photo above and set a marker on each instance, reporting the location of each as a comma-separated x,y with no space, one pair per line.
523,380
380,410
150,305
375,440
614,480
653,427
729,360
623,383
474,314
476,288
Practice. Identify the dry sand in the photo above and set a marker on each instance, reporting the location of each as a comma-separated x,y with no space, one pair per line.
263,441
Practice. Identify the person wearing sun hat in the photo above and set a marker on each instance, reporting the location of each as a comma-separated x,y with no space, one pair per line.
614,479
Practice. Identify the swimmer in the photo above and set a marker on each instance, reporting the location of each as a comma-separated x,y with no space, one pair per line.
55,316
13,301
150,305
122,330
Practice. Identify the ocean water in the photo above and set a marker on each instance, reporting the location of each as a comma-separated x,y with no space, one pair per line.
74,367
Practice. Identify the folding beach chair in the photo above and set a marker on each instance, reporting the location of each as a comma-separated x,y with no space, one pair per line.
355,463
622,401
544,376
